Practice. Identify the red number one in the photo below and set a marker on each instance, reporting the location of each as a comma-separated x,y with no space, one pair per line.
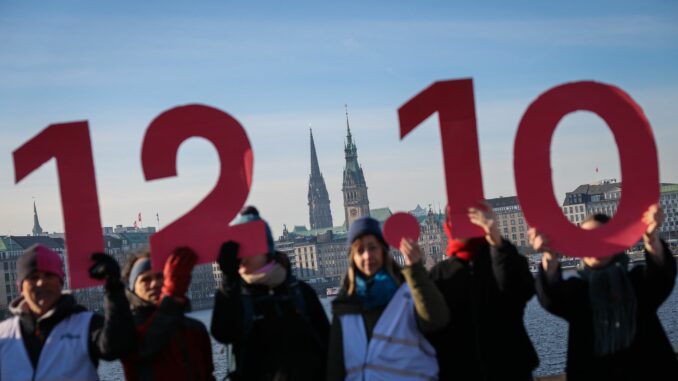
637,153
205,227
453,100
69,144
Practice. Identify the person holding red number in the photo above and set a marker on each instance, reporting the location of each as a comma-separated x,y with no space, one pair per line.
51,337
614,331
382,312
486,284
170,345
275,323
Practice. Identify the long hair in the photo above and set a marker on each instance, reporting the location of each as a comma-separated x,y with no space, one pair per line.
389,264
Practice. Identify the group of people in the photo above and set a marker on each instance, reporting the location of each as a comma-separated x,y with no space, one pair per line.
462,320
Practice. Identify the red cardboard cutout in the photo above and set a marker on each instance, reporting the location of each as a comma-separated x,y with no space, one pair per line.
69,144
639,167
401,225
205,227
453,100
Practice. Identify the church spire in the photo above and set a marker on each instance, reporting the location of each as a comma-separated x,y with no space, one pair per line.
315,167
348,128
37,230
349,148
319,212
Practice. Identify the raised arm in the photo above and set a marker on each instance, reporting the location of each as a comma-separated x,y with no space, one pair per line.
555,294
429,303
227,316
511,270
113,335
659,273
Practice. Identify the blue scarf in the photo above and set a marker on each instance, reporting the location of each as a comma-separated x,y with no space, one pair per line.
375,291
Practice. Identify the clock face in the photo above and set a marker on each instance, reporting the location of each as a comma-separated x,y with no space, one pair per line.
354,212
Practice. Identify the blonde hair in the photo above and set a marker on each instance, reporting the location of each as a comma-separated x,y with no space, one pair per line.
389,264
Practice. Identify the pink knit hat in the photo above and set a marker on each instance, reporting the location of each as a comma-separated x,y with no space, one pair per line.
39,258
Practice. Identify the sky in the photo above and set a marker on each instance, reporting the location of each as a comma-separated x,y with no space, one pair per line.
280,67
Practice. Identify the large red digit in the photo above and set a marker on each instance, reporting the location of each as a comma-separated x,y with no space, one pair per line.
69,144
205,227
637,153
453,100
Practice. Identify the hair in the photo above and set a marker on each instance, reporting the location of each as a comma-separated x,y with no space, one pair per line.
598,217
134,257
391,266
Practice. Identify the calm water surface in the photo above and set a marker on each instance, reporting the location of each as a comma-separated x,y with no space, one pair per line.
548,333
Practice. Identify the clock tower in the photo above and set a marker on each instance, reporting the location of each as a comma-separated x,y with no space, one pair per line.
356,203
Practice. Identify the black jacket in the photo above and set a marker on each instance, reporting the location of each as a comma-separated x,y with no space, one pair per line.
650,356
278,342
170,344
110,336
485,338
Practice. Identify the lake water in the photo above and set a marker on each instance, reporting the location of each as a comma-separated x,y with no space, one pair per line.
548,333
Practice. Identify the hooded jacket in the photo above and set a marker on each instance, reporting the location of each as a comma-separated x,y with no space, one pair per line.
277,334
650,355
170,345
485,338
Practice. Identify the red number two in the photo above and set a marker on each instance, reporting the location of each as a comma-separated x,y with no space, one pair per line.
205,227
70,145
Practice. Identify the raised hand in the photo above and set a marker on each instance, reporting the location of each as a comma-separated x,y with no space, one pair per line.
653,217
539,242
229,262
487,220
104,267
410,250
177,272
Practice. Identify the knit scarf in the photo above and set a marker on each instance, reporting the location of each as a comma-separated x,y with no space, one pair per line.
462,249
271,275
613,301
375,291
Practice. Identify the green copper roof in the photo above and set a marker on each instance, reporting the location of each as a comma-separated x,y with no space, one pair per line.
381,214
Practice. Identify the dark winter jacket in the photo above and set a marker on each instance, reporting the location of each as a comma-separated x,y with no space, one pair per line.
485,338
650,356
170,345
277,334
427,300
110,336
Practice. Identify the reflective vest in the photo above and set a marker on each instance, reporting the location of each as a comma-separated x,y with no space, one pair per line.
64,356
397,350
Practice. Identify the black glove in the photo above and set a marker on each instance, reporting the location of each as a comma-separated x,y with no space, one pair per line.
105,267
229,263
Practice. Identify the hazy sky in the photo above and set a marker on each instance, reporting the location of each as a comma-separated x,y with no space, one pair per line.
279,66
